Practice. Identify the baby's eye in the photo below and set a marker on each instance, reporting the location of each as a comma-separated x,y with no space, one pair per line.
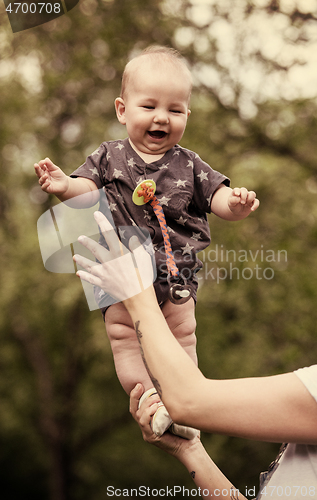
175,111
148,107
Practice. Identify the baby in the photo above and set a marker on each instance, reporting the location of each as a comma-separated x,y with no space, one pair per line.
154,107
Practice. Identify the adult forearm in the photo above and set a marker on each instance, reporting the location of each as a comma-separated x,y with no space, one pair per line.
277,408
174,374
232,407
210,481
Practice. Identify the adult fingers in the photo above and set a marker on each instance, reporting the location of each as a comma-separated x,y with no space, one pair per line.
134,243
115,246
135,395
95,248
147,409
145,266
84,262
90,278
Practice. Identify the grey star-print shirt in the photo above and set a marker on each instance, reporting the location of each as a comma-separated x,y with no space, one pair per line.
185,185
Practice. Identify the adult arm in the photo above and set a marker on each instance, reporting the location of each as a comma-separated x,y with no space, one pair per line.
210,481
277,408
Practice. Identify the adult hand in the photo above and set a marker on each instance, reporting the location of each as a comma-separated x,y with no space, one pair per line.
119,272
174,445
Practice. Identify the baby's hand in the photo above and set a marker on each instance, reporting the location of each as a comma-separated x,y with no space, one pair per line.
51,178
241,201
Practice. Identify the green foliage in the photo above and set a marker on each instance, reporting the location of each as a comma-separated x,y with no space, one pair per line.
65,430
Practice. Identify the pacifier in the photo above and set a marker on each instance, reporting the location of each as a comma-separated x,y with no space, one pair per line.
178,294
144,192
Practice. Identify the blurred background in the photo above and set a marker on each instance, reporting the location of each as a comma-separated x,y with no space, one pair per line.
65,429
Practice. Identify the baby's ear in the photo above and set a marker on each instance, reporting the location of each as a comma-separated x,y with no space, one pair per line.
120,110
188,112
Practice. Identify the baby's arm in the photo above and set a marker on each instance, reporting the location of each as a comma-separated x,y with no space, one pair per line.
233,204
53,181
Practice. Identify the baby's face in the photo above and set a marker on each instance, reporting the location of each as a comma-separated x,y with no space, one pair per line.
156,107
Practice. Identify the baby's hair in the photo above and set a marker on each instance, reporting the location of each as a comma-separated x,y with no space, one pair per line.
173,54
166,54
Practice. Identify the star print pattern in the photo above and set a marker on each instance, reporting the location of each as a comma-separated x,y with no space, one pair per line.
148,248
180,183
122,233
181,220
120,198
131,162
184,187
94,171
203,176
164,200
117,173
147,215
196,236
96,152
187,249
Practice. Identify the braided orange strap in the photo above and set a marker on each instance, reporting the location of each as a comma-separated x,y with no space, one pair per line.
144,193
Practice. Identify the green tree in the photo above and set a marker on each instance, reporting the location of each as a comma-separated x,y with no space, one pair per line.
65,431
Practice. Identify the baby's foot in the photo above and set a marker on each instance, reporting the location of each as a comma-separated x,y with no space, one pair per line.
161,420
184,431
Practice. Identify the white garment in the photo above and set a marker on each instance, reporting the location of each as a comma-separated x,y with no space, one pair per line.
309,378
295,475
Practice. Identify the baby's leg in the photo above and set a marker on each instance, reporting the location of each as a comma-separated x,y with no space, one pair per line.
125,348
182,323
128,361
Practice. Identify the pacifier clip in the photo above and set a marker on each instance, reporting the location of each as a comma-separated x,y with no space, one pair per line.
145,193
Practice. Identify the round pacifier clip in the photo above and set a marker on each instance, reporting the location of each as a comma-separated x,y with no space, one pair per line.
144,193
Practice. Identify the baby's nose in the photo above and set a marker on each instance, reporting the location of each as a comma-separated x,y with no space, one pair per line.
161,117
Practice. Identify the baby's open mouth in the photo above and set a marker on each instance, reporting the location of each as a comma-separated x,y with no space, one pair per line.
157,134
